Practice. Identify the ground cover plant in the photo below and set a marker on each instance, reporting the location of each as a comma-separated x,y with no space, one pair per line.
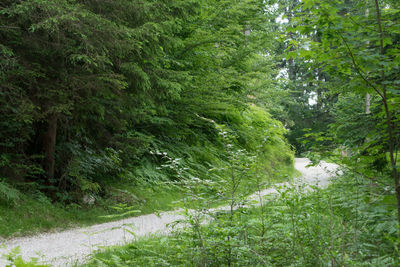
36,213
351,223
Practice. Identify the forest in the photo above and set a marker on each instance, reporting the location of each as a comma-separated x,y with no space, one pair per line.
119,108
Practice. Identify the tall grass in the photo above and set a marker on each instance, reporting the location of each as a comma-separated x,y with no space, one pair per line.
351,223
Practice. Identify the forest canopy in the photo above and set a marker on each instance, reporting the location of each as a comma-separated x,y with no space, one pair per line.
90,89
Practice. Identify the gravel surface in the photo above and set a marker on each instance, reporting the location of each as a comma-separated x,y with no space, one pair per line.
74,246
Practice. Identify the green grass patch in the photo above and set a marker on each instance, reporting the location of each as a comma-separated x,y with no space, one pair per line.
36,213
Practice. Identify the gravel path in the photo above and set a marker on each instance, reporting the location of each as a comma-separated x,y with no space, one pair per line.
73,246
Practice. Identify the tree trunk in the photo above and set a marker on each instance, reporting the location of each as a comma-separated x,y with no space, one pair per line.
367,96
393,164
289,15
367,103
49,145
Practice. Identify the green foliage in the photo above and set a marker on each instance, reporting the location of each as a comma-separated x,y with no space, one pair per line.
33,212
92,89
350,223
76,62
87,169
9,193
14,259
217,245
352,126
357,44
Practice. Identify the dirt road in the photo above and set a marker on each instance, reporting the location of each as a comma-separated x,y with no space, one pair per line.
74,246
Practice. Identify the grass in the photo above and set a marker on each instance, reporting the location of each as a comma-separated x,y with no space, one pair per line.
32,213
348,224
35,213
256,142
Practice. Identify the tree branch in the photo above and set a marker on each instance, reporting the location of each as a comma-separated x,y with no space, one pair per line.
358,68
191,46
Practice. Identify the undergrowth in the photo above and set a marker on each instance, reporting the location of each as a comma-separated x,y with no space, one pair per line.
152,183
351,223
36,213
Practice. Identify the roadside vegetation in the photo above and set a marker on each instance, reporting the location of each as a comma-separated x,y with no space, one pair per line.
126,107
351,223
102,102
342,66
34,211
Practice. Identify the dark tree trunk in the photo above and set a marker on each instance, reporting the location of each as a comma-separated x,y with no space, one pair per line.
49,145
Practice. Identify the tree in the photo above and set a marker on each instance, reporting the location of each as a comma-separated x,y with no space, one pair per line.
90,88
362,48
310,101
82,75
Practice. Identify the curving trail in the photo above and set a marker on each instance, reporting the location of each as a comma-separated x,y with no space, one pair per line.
74,246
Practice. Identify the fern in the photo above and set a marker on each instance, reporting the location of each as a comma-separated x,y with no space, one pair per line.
8,193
